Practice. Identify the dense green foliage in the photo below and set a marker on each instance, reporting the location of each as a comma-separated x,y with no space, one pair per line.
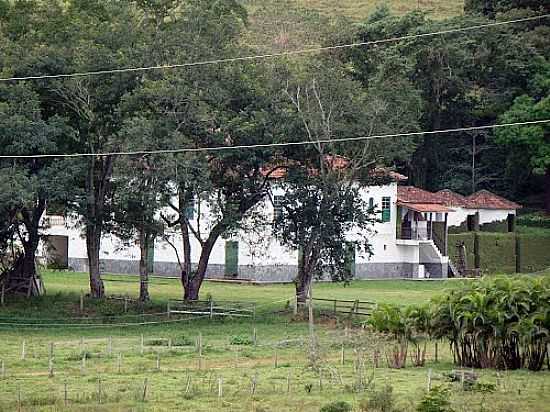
494,323
497,74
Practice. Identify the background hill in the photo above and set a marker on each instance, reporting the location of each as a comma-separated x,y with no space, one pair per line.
276,25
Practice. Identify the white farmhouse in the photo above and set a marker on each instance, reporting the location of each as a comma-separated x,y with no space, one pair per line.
410,239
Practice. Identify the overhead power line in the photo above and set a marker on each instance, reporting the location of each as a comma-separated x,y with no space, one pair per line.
272,55
268,145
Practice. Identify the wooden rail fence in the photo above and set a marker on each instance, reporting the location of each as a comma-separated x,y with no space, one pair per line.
345,307
212,308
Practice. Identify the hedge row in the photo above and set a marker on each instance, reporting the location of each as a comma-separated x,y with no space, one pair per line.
503,252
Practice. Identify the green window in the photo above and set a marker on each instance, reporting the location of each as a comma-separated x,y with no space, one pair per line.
386,209
371,203
231,259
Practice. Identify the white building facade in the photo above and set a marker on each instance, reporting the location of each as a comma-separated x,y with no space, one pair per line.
257,255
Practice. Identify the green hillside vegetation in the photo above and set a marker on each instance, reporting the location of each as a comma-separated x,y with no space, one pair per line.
276,25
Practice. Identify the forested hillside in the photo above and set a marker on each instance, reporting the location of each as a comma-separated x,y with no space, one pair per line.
80,79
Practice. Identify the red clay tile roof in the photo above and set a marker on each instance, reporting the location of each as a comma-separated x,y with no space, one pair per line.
450,198
479,200
411,194
278,170
487,200
426,207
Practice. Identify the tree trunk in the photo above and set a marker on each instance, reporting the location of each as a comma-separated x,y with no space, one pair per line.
305,270
547,191
98,185
193,284
186,269
144,240
22,276
93,242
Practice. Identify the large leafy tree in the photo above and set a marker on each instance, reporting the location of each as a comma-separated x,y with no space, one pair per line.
210,106
28,184
533,140
79,37
463,79
323,210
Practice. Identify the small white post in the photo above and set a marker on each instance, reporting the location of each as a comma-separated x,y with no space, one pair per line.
23,350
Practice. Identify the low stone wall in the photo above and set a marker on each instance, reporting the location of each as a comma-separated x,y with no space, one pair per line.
273,273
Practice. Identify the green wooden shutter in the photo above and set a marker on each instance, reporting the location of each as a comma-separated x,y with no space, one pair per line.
386,209
231,259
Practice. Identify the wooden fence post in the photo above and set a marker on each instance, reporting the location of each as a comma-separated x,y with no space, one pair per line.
3,295
342,355
158,361
81,301
288,382
2,369
119,362
98,390
51,351
429,379
296,305
50,368
144,394
254,337
436,352
23,350
142,346
65,393
211,308
19,398
220,387
168,310
109,346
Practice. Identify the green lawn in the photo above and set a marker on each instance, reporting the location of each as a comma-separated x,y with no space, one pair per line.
115,369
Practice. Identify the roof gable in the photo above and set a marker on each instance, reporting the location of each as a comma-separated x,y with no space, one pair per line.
411,194
484,199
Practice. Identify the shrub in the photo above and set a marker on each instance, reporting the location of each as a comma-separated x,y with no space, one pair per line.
182,341
379,401
339,406
436,400
240,340
497,322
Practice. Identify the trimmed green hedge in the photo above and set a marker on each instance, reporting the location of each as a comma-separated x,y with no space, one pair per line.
538,220
497,251
534,253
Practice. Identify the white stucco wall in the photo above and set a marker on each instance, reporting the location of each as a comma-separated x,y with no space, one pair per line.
256,248
460,215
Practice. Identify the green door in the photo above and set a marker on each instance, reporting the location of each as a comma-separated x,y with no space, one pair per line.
231,259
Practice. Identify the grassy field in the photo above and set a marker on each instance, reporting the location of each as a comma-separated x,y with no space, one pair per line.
357,10
278,25
275,374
